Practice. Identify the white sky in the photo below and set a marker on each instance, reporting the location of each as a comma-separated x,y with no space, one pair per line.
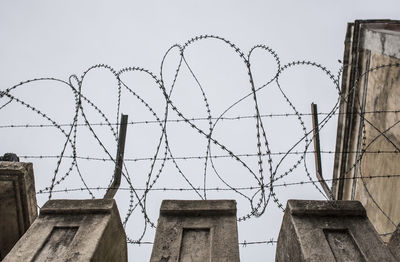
60,38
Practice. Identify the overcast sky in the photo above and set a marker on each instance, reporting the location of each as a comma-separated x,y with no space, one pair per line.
61,38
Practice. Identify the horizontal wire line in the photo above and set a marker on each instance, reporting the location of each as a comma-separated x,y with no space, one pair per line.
67,190
193,119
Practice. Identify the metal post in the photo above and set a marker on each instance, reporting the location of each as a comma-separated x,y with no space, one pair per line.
317,151
112,190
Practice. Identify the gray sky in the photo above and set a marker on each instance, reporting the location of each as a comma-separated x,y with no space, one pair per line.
61,38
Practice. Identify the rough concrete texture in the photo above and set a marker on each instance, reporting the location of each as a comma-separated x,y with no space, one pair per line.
382,41
17,203
196,231
377,44
73,230
383,93
329,231
394,243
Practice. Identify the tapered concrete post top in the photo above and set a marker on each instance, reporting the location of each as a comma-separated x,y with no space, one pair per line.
329,231
198,207
17,166
325,208
196,230
73,230
77,206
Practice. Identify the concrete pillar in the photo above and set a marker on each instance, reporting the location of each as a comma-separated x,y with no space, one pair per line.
369,88
73,230
196,231
17,203
329,231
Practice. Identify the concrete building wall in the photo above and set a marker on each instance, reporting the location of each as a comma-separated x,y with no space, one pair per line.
368,136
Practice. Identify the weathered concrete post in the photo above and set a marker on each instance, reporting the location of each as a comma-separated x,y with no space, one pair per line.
18,207
329,231
196,231
73,230
78,230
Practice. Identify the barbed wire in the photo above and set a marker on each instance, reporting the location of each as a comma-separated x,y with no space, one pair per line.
243,243
266,176
129,159
142,122
285,184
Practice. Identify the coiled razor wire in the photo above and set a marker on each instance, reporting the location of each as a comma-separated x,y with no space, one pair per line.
268,173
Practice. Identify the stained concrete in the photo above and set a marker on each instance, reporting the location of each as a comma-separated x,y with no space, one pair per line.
196,231
73,230
370,44
17,203
382,41
329,231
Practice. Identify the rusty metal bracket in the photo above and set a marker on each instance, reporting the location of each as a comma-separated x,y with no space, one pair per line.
112,190
317,152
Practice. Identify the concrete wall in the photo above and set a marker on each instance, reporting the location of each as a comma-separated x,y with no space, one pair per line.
365,89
